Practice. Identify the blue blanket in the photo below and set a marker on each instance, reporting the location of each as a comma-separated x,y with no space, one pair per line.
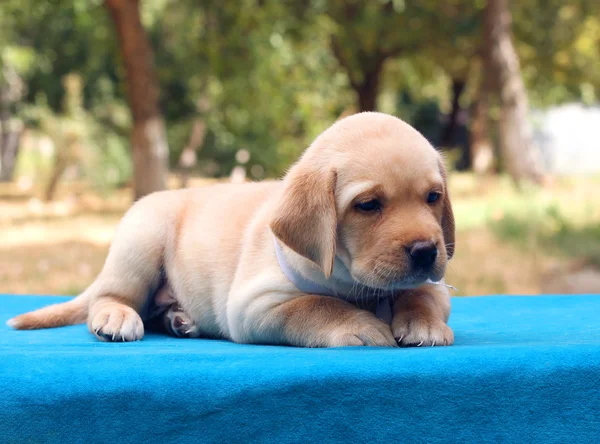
523,369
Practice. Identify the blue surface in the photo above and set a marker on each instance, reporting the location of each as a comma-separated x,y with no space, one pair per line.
523,369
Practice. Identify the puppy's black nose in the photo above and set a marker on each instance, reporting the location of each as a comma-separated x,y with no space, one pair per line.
423,254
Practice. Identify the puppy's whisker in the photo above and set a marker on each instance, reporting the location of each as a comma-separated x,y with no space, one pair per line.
443,284
383,292
353,290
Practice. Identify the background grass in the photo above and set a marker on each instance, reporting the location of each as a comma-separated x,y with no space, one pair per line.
507,241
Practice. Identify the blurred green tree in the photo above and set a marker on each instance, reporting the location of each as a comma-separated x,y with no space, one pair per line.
68,132
266,76
522,158
364,35
14,62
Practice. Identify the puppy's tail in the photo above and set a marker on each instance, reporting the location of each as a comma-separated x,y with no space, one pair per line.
71,312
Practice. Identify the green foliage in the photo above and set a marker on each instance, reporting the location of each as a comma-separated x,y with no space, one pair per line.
267,75
558,45
370,31
82,139
268,89
62,37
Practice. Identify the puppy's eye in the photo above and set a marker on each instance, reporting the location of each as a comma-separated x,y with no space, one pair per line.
433,197
369,206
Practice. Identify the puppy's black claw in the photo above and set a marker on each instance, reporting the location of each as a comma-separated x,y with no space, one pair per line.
105,336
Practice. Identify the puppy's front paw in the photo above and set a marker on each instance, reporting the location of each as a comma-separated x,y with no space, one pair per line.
415,330
363,329
117,322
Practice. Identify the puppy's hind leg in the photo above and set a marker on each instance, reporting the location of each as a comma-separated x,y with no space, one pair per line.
167,316
131,274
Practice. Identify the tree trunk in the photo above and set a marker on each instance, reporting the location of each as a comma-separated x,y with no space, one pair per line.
368,90
148,139
9,137
9,152
60,165
522,159
189,155
449,133
482,151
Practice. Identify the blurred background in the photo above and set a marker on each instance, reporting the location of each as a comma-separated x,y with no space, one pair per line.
103,101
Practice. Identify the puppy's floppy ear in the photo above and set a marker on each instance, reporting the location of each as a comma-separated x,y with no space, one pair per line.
306,219
448,228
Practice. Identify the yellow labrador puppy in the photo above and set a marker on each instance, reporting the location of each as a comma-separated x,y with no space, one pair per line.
345,251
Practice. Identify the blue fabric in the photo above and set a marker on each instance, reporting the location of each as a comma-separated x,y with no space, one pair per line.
523,369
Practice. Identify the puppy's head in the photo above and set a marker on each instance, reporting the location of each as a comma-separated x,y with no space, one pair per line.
372,191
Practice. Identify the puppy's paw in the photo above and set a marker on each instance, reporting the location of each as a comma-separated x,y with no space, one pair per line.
117,323
414,330
363,329
179,324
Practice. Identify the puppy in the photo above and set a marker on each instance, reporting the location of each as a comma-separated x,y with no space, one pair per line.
361,225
